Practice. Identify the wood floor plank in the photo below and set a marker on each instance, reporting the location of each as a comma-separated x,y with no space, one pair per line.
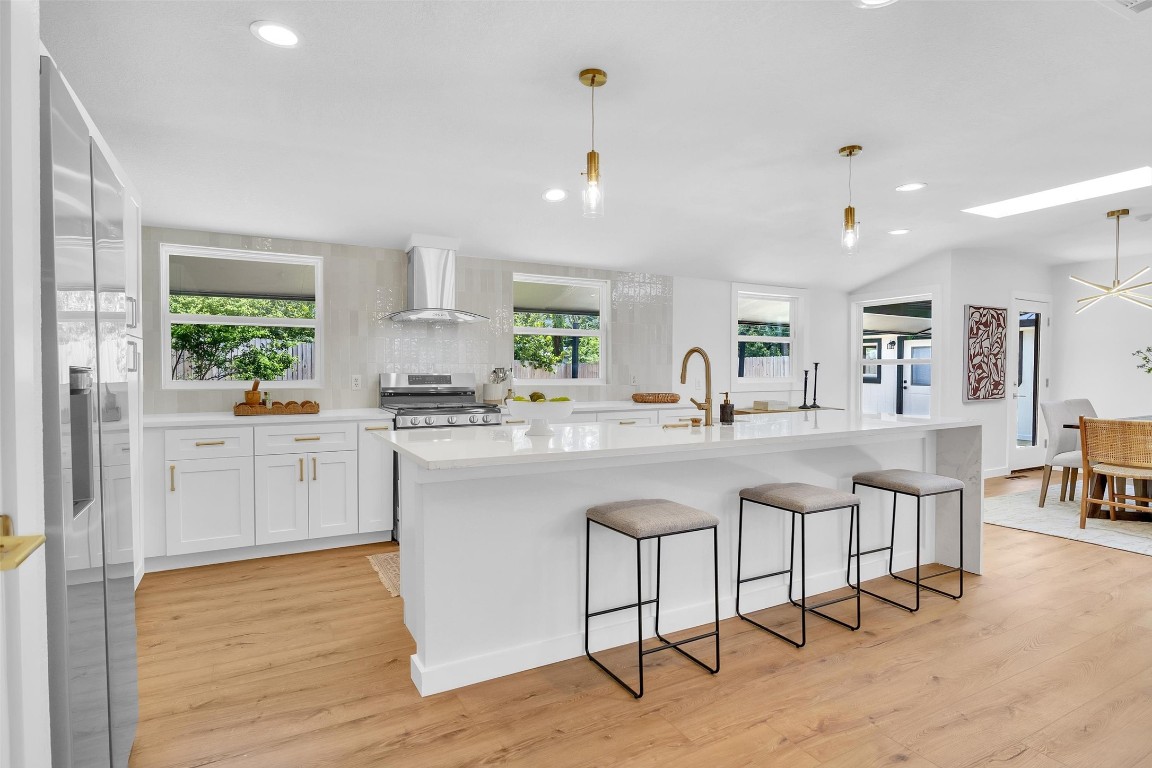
302,661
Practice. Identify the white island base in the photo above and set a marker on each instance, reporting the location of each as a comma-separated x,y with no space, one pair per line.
492,528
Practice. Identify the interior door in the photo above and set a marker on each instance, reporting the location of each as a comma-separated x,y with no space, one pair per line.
1028,381
914,397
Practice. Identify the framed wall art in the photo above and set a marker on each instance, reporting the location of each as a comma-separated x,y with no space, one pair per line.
985,353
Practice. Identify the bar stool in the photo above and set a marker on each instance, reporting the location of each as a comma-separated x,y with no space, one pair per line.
801,499
921,485
643,519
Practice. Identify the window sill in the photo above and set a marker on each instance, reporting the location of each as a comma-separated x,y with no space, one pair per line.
559,383
764,385
237,386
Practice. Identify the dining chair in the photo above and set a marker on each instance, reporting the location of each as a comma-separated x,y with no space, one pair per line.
1115,449
1063,444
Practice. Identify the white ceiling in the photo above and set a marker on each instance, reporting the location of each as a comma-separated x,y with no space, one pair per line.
718,127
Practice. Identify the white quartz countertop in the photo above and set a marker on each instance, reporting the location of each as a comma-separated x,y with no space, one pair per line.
507,445
228,419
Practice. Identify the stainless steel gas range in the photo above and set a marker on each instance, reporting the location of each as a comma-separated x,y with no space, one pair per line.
422,400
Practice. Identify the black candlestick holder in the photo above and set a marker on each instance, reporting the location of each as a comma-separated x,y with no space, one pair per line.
815,381
805,406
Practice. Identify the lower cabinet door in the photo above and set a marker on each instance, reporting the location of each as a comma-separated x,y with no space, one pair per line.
332,504
375,479
117,489
281,498
208,504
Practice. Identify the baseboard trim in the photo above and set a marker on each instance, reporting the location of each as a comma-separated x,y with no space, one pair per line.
196,559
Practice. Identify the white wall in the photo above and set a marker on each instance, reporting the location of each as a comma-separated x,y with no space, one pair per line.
1094,357
980,277
24,723
702,316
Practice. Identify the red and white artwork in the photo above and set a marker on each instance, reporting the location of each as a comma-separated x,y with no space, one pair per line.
985,353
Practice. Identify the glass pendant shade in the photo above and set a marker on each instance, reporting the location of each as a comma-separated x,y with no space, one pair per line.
593,190
850,238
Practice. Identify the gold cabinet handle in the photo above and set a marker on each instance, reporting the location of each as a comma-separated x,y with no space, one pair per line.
202,443
630,421
374,429
301,469
514,421
15,549
687,418
312,439
172,477
313,467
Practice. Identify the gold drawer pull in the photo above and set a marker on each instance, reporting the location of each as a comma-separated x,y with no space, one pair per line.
307,439
687,418
15,549
202,443
313,467
631,421
375,429
514,421
172,477
301,469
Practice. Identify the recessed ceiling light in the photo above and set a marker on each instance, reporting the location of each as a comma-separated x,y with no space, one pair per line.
554,195
872,3
899,231
1137,178
911,186
274,34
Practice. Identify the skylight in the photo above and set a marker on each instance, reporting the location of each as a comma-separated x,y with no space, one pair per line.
1137,178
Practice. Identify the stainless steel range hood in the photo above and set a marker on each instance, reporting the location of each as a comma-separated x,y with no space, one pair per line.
432,283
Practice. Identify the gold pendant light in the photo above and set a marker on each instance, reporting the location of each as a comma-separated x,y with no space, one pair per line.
850,236
1121,290
593,189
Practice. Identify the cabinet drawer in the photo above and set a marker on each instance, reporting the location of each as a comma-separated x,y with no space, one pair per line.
207,443
305,438
626,419
679,415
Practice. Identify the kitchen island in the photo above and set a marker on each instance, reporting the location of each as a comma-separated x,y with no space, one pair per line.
492,529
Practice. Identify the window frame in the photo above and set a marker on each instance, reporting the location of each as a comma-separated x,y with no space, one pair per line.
605,287
940,330
167,250
798,320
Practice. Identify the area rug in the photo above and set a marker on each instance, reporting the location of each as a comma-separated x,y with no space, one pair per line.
387,567
1062,518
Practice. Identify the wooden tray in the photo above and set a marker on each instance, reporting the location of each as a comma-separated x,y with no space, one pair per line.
655,397
290,408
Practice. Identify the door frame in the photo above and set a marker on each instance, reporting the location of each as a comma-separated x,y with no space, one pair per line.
1036,455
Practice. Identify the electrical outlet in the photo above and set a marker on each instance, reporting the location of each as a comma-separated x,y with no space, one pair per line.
356,383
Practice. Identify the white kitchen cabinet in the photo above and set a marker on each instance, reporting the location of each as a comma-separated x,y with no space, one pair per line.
209,504
332,493
627,419
281,501
305,438
117,496
374,478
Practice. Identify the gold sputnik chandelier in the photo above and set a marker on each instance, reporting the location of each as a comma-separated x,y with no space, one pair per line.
1121,290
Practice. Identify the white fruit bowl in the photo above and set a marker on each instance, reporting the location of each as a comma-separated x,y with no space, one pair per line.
539,414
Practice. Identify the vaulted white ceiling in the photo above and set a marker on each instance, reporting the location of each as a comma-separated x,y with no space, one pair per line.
718,127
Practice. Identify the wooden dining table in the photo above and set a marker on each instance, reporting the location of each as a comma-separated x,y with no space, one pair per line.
1100,483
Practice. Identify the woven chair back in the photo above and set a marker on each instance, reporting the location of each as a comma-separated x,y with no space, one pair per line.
1126,443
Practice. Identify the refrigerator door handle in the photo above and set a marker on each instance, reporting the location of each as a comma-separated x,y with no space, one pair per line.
135,321
134,360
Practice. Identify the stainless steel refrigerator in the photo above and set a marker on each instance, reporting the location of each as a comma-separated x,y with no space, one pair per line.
87,360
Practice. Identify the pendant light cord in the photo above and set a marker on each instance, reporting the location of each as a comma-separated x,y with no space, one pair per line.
850,180
593,89
1116,278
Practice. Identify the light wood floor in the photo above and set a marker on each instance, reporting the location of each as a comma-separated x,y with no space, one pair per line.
302,661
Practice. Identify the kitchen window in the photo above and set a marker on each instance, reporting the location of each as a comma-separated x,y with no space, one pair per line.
559,325
765,325
231,316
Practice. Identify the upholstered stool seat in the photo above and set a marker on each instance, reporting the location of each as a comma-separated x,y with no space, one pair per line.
645,518
799,497
802,500
642,520
910,482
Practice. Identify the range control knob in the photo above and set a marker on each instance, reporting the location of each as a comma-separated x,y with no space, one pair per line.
415,420
451,419
487,418
473,419
429,420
